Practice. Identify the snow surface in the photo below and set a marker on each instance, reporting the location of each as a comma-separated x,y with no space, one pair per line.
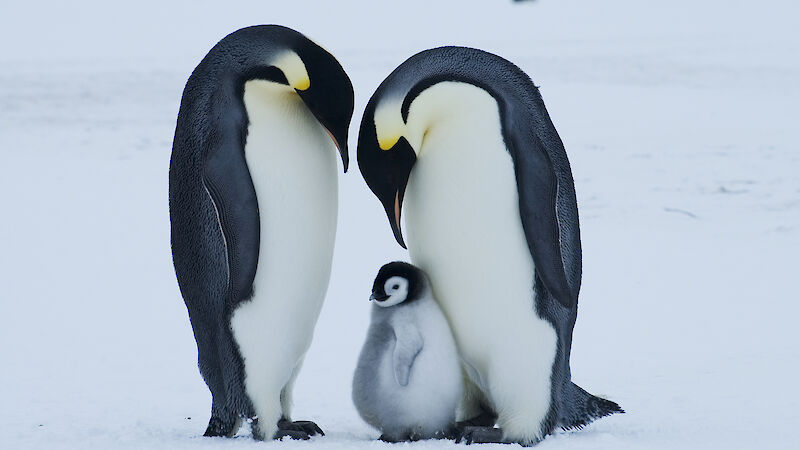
681,122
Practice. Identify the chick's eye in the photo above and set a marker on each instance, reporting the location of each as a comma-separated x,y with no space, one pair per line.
396,287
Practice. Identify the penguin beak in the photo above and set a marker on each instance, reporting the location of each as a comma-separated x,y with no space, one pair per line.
393,208
378,298
336,127
341,145
386,173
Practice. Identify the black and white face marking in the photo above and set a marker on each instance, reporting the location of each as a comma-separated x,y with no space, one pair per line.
398,282
396,291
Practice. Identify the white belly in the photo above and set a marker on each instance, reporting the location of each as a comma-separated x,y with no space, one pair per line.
292,162
464,229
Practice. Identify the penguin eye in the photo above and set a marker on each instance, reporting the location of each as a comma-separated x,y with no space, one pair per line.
394,285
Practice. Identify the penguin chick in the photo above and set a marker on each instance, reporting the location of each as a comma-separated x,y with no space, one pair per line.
408,381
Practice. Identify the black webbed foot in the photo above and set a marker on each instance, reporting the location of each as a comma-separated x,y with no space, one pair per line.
292,434
386,438
480,435
485,419
449,434
395,439
305,426
295,434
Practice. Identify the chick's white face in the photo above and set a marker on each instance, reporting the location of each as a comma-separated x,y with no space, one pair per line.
396,289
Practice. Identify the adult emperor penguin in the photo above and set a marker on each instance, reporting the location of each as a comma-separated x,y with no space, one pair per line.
253,205
461,139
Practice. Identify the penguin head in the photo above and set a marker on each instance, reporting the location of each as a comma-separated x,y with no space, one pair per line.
398,282
327,92
282,55
385,157
390,138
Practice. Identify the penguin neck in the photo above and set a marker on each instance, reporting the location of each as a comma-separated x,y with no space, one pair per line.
454,105
259,93
406,311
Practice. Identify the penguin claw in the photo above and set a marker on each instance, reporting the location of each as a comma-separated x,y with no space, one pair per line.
306,426
480,435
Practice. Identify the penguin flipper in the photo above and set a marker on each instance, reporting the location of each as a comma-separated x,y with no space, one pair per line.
228,182
408,344
538,188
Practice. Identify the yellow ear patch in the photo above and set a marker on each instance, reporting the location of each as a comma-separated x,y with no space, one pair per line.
388,142
293,69
389,125
302,84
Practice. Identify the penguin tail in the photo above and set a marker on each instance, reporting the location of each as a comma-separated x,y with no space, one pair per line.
583,408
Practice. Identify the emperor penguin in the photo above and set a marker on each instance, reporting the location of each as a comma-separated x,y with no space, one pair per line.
408,381
253,206
461,139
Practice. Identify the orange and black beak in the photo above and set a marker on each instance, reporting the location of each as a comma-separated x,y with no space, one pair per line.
386,172
341,145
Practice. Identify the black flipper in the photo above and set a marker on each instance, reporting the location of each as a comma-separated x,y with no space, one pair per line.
228,181
537,184
582,408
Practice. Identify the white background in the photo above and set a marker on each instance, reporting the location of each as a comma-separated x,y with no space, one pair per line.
680,119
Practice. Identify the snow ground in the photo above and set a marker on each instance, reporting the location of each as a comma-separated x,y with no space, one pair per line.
680,120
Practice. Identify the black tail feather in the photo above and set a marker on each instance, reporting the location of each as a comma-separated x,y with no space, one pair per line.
582,408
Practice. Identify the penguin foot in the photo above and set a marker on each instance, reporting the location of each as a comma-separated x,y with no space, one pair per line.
413,437
449,434
389,439
484,419
292,434
306,426
480,435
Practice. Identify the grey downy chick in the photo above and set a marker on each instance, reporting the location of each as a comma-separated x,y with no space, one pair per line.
408,381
